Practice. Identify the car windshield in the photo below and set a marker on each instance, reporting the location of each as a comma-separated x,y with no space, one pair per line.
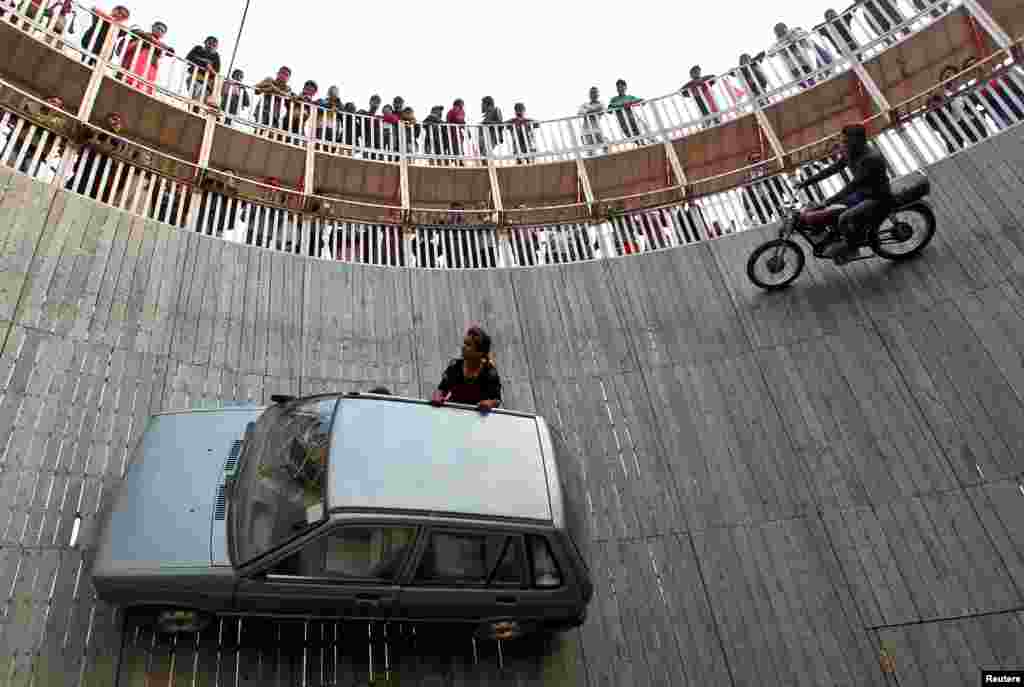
280,491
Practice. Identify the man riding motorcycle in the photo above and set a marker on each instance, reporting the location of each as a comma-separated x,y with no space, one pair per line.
858,201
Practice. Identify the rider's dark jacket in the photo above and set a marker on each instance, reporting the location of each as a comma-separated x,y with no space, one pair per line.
870,177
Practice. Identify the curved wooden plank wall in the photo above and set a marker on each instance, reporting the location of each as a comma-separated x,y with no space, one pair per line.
822,486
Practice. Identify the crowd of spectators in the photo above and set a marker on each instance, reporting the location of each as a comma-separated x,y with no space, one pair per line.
386,130
222,204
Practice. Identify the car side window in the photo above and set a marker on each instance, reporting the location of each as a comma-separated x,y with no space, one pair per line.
471,558
373,552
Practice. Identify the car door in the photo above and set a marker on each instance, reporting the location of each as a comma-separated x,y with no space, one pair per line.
466,574
463,574
347,571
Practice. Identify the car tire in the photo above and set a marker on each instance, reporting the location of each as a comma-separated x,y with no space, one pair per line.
506,630
180,620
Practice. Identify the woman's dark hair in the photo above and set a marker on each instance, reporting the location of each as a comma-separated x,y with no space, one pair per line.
483,339
855,131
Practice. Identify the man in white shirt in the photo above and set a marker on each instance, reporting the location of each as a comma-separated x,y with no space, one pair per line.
591,112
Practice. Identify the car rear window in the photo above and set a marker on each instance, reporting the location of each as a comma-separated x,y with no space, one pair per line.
471,558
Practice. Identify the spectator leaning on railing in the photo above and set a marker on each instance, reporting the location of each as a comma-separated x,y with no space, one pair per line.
522,134
622,105
591,112
50,122
96,34
491,121
432,133
389,135
204,65
412,129
699,88
97,149
368,130
329,116
754,77
794,46
273,89
235,95
142,56
840,28
298,111
456,134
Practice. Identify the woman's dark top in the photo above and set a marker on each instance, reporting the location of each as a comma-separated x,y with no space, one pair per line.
486,386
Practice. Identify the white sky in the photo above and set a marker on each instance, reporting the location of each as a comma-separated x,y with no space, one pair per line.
545,53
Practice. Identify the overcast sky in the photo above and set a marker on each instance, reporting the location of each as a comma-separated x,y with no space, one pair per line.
545,53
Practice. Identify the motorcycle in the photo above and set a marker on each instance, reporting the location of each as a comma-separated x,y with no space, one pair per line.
900,231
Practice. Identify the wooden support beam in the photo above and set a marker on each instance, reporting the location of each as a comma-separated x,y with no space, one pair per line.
676,166
99,69
773,138
584,183
492,174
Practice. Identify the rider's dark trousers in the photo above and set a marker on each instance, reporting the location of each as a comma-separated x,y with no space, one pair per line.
856,219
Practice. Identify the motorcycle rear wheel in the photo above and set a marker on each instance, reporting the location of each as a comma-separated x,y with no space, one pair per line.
905,233
779,257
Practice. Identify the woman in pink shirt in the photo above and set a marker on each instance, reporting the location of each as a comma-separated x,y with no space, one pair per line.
454,135
390,132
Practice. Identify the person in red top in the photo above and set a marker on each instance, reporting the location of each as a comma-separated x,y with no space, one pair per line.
699,88
472,379
454,135
390,133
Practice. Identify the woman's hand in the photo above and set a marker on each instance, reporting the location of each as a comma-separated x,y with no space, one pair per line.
487,406
438,397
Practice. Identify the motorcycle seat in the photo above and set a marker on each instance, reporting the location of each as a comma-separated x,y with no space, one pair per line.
824,216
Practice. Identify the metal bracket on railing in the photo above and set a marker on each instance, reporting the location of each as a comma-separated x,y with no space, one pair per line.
981,15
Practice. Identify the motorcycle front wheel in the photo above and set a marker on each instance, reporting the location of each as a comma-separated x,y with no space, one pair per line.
775,264
904,233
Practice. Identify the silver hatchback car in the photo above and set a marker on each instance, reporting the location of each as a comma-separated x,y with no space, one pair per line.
347,506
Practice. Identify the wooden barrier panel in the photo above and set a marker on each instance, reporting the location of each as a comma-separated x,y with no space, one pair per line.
376,186
912,67
722,149
641,173
442,188
38,69
252,156
542,187
167,129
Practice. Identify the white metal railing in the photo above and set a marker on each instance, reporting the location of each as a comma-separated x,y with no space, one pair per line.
799,60
41,140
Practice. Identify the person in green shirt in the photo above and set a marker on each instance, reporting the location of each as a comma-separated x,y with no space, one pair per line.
622,105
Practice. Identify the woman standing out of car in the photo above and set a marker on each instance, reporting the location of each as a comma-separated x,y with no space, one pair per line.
472,379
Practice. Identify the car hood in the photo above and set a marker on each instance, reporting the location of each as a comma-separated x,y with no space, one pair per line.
163,516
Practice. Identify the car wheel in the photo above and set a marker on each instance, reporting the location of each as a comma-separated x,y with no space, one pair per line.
181,620
504,629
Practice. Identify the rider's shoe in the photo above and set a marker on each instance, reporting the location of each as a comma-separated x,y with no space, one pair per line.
835,249
851,253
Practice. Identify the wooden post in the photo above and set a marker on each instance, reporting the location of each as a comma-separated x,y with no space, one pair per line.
92,89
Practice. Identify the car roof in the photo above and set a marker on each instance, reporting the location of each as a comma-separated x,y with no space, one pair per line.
400,454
